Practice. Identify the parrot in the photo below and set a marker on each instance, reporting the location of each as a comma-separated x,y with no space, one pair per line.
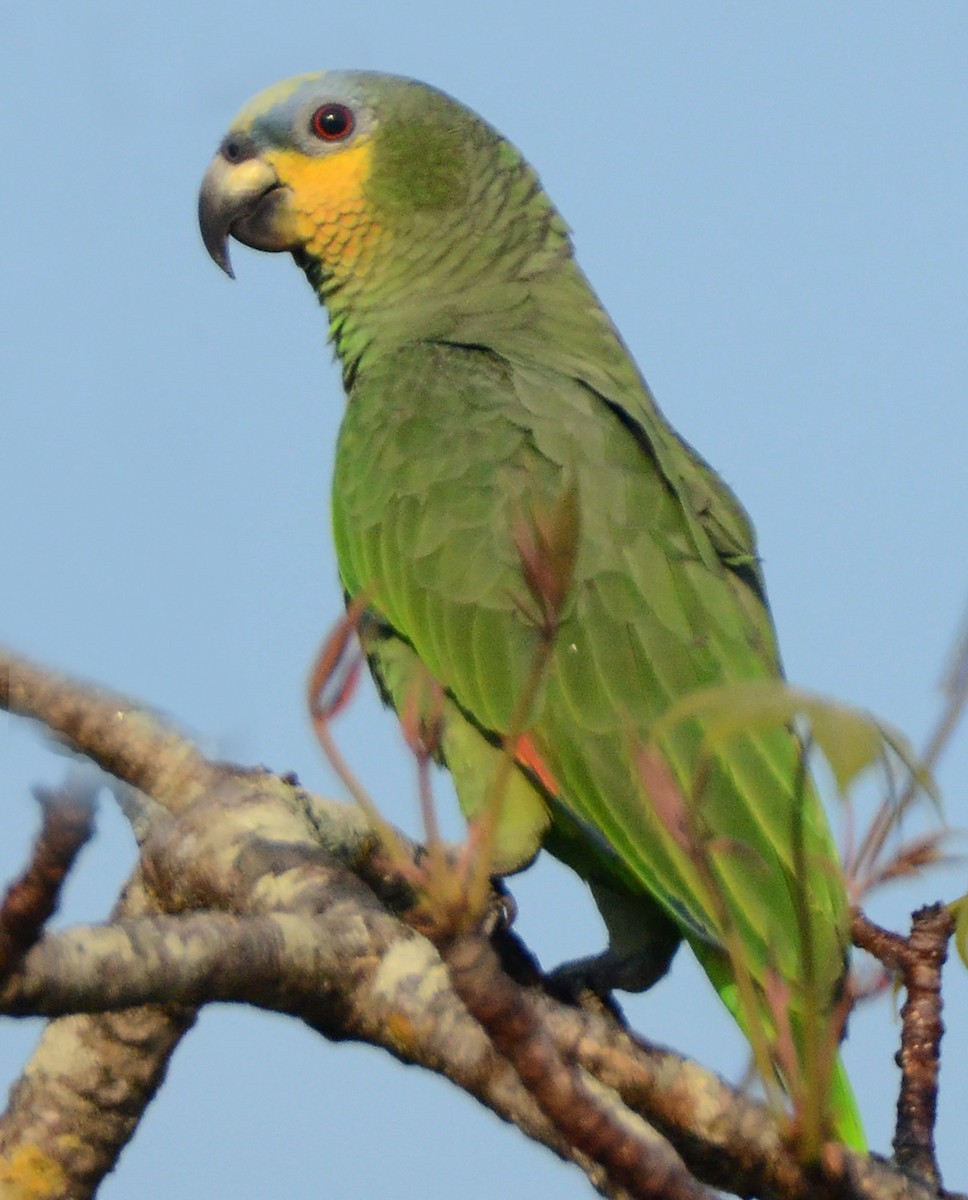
503,469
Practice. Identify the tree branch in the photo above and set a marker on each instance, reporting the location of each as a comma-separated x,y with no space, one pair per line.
86,1087
631,1152
251,889
918,960
67,823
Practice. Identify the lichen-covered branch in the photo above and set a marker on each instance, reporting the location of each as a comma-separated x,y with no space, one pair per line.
250,889
631,1152
88,1082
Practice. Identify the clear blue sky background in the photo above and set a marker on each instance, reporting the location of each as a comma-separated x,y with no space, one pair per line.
771,202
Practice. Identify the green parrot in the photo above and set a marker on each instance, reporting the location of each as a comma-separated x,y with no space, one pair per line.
487,388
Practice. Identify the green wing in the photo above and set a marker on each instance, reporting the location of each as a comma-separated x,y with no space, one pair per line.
442,449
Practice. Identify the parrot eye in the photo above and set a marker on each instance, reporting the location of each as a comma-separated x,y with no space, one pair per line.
332,122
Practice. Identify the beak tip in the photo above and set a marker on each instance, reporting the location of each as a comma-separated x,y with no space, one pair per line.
214,217
218,252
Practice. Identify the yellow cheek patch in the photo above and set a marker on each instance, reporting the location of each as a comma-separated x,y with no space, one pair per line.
333,219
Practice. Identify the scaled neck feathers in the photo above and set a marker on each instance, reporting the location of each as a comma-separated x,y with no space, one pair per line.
487,263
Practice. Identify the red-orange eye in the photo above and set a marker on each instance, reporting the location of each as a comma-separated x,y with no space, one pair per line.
332,122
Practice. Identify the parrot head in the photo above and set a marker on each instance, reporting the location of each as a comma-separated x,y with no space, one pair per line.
292,173
393,197
329,165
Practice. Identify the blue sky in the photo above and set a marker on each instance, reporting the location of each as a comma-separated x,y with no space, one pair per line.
770,200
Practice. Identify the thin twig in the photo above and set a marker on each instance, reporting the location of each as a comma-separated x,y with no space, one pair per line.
67,823
918,959
954,687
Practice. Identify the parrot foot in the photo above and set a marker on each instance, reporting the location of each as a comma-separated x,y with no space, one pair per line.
579,984
604,973
642,941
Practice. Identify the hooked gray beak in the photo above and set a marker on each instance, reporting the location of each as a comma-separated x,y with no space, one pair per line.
241,197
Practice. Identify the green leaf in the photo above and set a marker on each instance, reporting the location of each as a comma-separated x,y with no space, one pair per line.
850,739
959,910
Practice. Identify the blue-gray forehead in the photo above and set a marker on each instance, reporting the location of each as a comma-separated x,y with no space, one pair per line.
275,111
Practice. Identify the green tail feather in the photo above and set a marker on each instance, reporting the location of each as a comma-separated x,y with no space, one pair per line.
845,1119
843,1107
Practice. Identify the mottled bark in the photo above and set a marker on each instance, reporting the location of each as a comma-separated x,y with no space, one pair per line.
249,889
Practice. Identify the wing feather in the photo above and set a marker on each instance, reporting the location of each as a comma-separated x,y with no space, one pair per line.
443,449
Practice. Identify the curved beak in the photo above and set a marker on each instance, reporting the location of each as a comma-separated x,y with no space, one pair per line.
247,201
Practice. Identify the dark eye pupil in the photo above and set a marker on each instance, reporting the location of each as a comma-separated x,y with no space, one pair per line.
332,122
